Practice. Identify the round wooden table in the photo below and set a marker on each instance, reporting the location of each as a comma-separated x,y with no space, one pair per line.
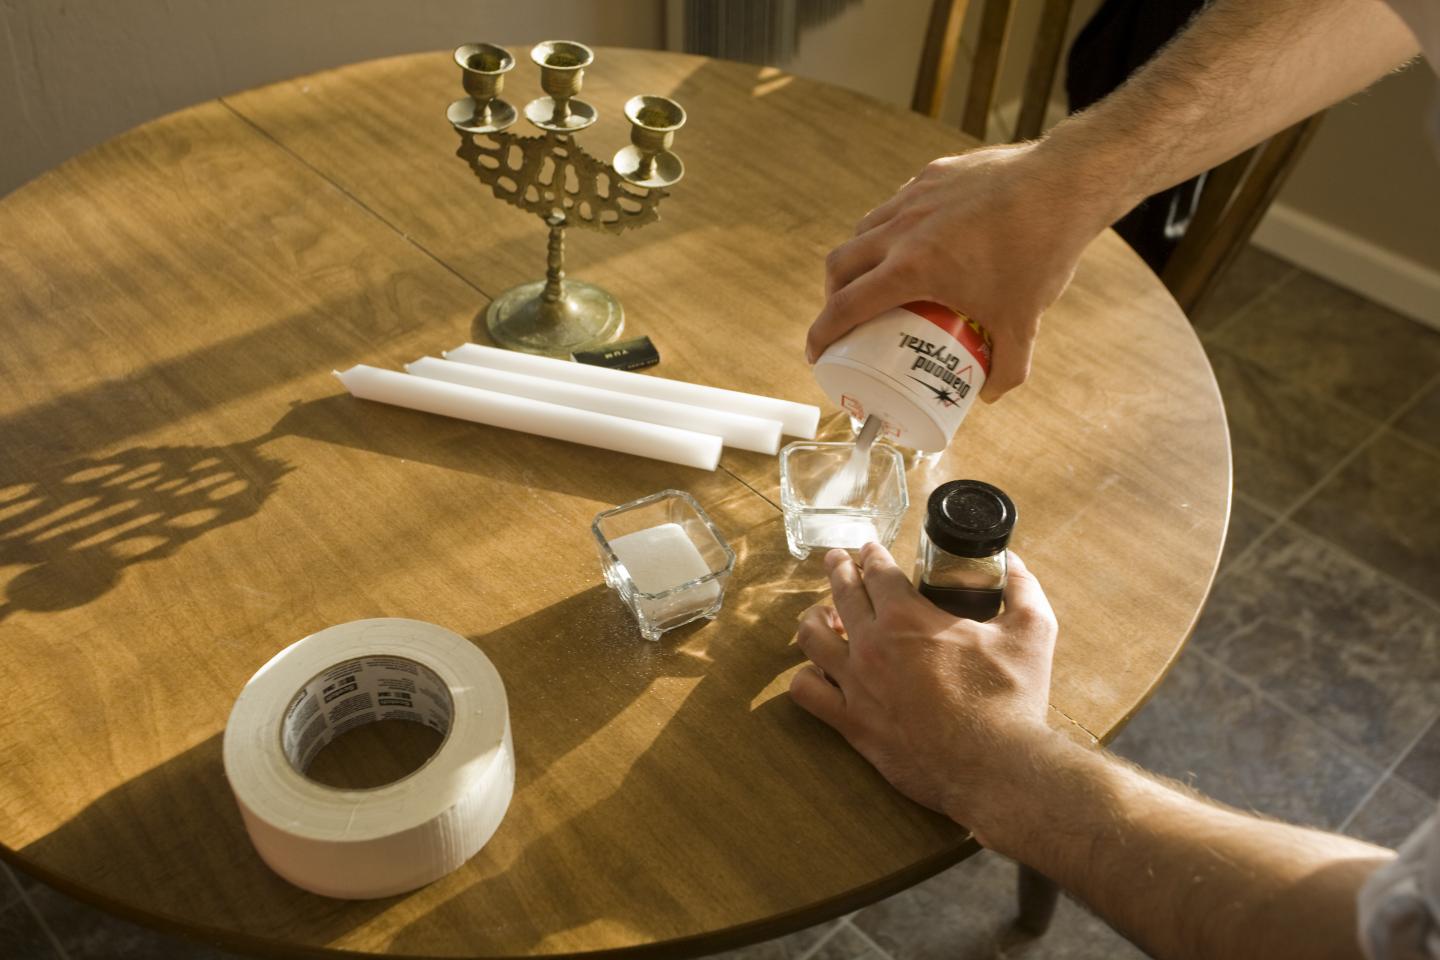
185,490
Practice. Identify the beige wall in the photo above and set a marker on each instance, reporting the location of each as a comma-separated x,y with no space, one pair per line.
1370,170
75,73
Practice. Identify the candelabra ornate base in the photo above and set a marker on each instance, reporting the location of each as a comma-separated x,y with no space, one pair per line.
552,177
583,317
554,316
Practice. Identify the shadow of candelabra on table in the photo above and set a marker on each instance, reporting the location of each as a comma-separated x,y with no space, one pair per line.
72,518
69,530
73,528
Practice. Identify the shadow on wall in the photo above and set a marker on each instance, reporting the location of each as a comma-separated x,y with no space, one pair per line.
756,31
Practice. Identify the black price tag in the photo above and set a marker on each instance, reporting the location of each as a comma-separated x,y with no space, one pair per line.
625,355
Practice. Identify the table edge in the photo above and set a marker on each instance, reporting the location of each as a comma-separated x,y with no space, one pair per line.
681,948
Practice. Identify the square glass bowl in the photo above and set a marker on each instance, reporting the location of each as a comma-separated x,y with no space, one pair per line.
665,558
822,511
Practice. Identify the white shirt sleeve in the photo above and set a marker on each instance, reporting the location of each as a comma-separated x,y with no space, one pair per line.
1400,903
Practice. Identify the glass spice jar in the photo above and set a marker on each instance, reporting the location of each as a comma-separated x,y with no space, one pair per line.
960,566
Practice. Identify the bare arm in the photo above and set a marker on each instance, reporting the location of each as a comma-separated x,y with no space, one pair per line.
1181,876
952,713
1242,71
996,233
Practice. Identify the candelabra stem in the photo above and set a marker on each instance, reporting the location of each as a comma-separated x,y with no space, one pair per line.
554,316
555,268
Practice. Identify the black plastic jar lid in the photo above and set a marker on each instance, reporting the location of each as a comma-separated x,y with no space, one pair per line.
969,518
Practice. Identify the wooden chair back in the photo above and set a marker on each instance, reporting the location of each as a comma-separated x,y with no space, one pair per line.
942,44
1234,197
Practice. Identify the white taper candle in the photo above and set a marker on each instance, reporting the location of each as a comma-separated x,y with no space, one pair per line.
543,419
736,429
797,419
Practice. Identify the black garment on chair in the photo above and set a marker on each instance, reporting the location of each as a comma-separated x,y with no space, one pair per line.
1117,40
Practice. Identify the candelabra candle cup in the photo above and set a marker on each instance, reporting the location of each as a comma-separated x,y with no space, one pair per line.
648,161
562,71
482,73
824,508
665,558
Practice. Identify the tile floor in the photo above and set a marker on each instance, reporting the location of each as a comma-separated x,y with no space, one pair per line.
1311,690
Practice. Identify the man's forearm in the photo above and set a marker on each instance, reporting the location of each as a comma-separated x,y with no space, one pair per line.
1181,876
1242,71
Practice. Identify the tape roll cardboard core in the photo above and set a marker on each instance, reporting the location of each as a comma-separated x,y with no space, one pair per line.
359,693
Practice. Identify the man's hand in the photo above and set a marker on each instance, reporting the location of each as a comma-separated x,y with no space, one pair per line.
937,704
994,234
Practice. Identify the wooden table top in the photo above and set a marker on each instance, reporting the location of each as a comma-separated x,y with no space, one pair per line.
185,490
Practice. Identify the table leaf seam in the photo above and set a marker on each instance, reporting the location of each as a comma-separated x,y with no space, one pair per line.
266,134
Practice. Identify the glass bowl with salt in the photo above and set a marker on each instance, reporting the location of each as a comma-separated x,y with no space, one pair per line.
841,495
665,558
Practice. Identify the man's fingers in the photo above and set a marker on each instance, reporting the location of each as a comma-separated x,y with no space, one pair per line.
1025,599
884,581
849,590
884,213
1009,366
819,641
811,690
851,259
862,299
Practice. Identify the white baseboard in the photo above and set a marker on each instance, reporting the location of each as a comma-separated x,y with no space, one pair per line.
1376,273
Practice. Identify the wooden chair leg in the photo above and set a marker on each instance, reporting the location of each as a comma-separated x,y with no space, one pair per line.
1039,896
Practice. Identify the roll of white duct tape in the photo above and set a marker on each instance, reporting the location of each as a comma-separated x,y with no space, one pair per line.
361,844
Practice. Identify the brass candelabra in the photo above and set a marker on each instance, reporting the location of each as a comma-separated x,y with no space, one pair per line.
551,176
